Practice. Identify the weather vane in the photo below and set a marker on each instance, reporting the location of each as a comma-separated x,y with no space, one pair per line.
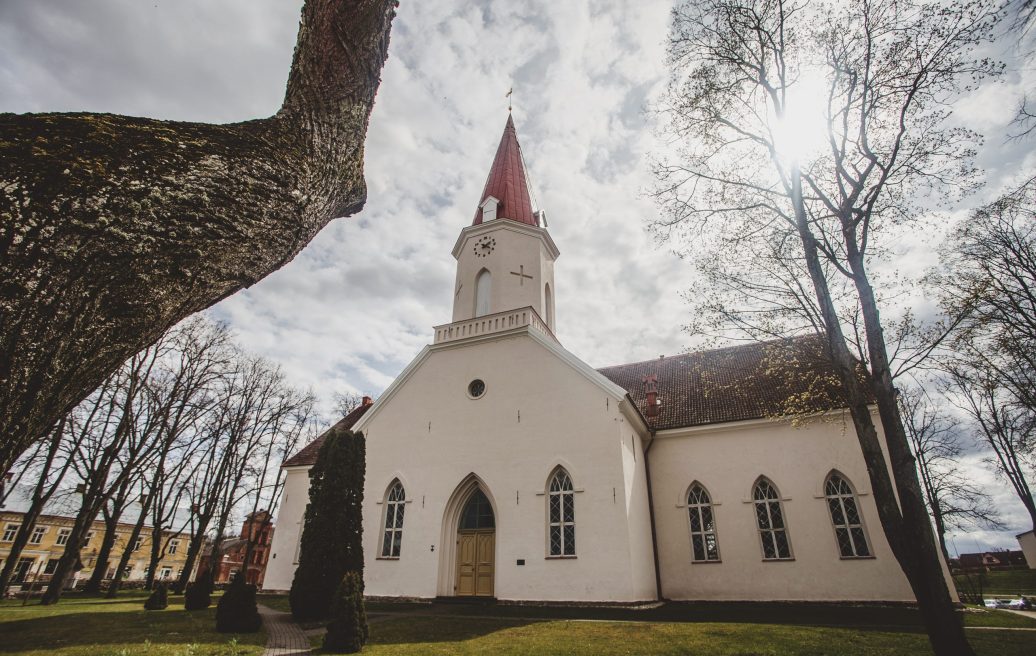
508,96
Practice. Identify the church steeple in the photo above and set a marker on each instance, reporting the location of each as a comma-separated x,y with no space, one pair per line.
507,184
505,258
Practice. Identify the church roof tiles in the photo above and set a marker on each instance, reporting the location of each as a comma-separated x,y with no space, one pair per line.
751,381
308,455
507,181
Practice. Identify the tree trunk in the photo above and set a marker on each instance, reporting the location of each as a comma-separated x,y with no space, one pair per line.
20,540
154,558
904,519
127,553
111,524
113,228
69,560
40,496
193,550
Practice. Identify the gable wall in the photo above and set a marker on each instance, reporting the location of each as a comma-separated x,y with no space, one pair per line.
565,420
280,570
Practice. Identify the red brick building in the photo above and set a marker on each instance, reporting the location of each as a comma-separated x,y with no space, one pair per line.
258,528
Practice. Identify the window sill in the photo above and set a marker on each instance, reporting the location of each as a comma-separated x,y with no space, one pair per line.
857,557
707,562
778,560
572,557
386,558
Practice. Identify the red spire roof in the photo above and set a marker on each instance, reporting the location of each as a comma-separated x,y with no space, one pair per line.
507,182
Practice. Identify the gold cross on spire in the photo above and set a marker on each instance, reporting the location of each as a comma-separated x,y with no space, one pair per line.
508,96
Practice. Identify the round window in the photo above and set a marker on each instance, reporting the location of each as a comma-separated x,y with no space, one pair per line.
476,388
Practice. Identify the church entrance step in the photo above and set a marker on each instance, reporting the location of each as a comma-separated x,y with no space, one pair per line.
467,600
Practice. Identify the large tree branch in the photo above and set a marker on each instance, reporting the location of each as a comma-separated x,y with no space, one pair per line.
114,228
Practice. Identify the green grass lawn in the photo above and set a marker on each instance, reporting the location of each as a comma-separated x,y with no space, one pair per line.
1010,583
515,637
81,626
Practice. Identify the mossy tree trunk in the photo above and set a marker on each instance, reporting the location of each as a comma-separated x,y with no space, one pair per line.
113,228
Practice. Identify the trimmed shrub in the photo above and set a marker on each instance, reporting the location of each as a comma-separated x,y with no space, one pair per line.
198,595
236,611
347,632
332,530
159,598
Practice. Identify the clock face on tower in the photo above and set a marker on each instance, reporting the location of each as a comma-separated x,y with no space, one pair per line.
484,246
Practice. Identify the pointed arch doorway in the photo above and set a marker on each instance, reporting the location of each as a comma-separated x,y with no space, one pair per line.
467,566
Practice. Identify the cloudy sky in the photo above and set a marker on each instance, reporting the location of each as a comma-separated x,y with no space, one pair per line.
352,310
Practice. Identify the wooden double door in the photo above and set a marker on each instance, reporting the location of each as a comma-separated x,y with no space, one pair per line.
475,555
476,548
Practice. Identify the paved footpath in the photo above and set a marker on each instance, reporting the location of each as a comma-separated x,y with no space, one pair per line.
284,637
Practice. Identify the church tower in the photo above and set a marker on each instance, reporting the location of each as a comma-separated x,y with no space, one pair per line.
505,258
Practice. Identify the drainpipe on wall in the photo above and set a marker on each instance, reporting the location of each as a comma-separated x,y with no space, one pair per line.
650,414
651,517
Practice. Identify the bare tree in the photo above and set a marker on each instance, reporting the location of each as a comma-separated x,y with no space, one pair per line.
989,279
953,500
110,453
114,228
1006,427
289,419
50,474
886,73
346,402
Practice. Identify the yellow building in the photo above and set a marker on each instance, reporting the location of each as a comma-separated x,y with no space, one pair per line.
40,556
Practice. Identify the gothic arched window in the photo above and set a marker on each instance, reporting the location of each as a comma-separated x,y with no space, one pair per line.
704,545
845,516
561,514
394,506
769,515
483,287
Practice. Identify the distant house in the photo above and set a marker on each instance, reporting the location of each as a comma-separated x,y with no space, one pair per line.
258,528
992,560
40,556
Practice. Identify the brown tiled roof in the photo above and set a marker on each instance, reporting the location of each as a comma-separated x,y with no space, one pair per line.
751,381
507,182
308,454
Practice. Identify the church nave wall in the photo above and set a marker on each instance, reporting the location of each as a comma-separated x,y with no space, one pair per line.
728,461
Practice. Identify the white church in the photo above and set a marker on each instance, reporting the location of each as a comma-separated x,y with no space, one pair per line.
500,465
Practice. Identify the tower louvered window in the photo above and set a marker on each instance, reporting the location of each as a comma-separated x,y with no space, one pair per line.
394,506
562,515
704,545
845,516
769,515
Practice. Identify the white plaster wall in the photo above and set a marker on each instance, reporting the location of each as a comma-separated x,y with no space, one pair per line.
797,460
516,245
1027,541
638,519
280,570
431,436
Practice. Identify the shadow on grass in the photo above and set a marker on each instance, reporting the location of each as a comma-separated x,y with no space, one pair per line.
430,629
50,627
885,618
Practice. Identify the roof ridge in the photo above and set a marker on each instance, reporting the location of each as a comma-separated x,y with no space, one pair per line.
714,350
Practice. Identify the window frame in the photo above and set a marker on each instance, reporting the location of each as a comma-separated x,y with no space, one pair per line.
771,531
393,513
62,538
847,526
12,530
693,506
561,524
488,293
37,535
